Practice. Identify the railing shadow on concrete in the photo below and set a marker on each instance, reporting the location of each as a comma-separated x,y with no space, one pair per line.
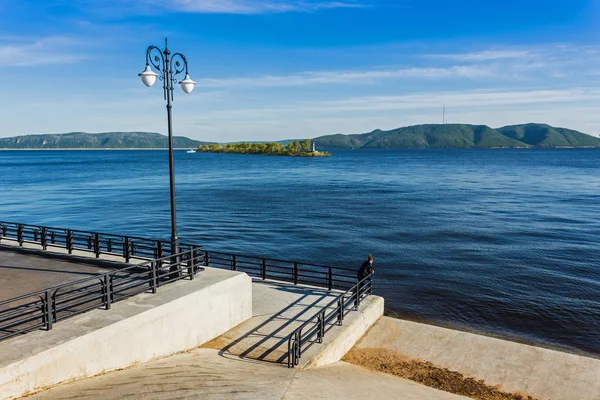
268,337
314,330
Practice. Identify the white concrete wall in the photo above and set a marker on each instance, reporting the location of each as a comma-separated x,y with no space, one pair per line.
341,339
181,316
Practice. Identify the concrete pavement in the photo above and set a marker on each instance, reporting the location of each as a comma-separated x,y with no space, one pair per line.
204,374
22,273
180,316
515,367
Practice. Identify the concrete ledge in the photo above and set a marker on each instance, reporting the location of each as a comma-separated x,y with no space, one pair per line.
341,339
181,316
514,367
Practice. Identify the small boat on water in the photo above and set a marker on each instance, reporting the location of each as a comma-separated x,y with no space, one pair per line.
191,151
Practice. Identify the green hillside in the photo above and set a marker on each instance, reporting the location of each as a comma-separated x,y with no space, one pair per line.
461,136
107,140
542,135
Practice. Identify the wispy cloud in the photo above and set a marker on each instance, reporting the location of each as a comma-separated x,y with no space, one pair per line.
486,55
570,107
26,52
351,77
475,99
487,66
250,6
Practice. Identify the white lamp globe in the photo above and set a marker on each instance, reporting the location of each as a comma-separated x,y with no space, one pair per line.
148,76
187,85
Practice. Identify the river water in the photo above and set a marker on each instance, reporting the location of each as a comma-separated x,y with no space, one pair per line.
501,242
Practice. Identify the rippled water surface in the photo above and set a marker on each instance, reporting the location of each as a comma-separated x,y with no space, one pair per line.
503,242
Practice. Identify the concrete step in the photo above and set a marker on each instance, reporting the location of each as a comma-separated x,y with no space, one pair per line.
279,309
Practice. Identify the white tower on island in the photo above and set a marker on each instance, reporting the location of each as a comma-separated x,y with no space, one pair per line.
313,147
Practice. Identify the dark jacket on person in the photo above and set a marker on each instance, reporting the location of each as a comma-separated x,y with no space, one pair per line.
365,270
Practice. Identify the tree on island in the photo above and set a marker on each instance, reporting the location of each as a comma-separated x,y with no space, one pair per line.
295,148
305,145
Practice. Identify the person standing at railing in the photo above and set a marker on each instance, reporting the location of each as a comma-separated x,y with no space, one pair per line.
366,269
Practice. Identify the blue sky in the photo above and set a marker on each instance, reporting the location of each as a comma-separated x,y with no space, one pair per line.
275,69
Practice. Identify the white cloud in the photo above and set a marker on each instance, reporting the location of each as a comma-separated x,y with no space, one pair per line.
25,52
477,98
336,77
570,108
486,55
250,6
557,62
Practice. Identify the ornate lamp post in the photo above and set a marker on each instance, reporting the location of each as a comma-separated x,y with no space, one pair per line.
168,67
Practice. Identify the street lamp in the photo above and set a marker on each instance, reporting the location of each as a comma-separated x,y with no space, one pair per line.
168,68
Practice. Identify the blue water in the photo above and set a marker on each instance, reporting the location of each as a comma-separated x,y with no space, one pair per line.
502,242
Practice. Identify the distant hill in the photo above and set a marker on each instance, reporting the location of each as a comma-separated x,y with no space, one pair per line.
107,140
542,135
409,137
461,136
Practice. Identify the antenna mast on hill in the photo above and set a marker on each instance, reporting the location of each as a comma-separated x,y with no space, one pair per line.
444,115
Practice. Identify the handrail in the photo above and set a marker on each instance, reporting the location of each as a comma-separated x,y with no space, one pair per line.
43,308
325,276
158,269
296,272
82,231
319,320
93,242
285,261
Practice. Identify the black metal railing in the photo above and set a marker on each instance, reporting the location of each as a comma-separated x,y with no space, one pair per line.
45,307
95,243
128,247
314,329
298,273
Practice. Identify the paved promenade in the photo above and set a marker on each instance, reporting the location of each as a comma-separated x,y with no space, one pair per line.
205,374
22,273
248,362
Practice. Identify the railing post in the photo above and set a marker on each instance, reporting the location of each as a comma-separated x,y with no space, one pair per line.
107,291
48,310
323,325
299,333
263,267
197,259
330,278
44,238
190,264
234,262
109,245
295,273
158,249
290,357
97,244
356,296
341,310
320,328
69,241
53,237
89,242
126,254
206,258
35,235
20,234
153,277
